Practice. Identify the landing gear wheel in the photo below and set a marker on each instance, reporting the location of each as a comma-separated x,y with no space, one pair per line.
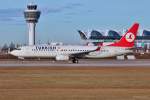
75,60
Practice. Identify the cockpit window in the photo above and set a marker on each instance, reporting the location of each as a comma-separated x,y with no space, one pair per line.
18,49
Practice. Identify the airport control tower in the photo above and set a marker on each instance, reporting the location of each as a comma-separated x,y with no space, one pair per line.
32,15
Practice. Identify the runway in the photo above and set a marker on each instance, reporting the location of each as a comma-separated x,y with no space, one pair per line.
82,63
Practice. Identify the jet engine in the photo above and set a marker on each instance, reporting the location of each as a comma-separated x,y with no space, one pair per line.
62,57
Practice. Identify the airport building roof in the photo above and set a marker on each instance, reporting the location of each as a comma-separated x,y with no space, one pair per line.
96,33
113,33
146,33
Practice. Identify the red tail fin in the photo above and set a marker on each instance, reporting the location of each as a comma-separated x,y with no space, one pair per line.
128,39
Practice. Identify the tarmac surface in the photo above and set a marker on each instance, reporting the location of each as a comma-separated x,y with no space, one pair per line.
88,80
82,63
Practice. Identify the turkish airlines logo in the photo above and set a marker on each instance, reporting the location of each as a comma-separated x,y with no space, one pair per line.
130,37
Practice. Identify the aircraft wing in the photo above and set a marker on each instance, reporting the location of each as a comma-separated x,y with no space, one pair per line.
82,54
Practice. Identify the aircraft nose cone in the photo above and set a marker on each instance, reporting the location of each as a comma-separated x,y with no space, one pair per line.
14,53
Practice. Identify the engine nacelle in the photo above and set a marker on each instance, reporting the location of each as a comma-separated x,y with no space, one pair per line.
62,57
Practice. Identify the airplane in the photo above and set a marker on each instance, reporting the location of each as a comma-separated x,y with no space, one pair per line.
59,52
74,52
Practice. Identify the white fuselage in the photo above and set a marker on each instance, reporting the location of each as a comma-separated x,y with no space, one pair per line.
64,52
51,51
108,51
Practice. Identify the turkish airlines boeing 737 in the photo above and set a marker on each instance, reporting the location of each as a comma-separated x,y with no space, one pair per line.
67,52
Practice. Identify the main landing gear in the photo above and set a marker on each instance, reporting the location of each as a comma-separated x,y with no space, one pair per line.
75,60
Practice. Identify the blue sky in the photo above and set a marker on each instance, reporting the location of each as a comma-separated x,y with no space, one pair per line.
61,19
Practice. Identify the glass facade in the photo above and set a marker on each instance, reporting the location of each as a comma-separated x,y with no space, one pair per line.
32,7
32,16
146,33
113,33
96,33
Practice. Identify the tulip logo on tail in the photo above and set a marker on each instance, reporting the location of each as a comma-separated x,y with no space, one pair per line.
130,37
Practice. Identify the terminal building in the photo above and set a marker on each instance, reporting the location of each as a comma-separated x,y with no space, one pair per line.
142,40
